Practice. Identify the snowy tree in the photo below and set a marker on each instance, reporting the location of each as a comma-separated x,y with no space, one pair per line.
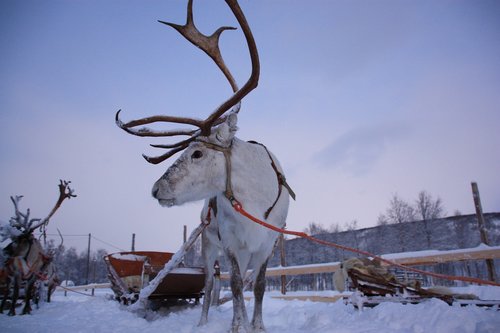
427,208
399,211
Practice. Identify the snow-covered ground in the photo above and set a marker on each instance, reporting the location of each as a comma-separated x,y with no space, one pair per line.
77,313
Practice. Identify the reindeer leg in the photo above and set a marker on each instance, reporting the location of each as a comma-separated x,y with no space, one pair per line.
217,286
15,295
5,293
209,283
210,253
27,297
258,291
240,318
49,292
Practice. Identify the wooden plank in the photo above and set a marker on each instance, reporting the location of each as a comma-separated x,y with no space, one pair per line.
425,258
85,287
449,256
296,270
312,298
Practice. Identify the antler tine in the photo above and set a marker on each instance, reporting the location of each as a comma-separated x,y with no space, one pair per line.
161,158
208,44
145,131
253,80
20,220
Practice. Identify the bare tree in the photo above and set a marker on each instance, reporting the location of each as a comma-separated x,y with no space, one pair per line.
427,208
315,229
350,226
399,211
334,228
382,219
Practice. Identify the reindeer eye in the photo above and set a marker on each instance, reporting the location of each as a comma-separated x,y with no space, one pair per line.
197,154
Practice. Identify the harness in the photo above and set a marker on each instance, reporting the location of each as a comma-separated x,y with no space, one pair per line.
228,193
20,263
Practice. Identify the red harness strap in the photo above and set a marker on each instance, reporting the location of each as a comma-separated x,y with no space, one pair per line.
239,208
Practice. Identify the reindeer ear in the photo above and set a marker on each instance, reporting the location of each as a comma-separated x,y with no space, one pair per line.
225,132
232,121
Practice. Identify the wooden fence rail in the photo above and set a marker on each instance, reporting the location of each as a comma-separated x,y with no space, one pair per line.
418,258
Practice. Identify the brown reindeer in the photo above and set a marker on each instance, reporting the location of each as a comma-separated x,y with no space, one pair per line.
26,261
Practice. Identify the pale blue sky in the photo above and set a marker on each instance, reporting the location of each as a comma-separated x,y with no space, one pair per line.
358,99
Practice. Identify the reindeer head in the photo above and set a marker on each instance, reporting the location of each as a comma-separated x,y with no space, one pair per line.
200,172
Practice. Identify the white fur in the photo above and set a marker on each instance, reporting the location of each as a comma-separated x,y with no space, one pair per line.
211,250
255,186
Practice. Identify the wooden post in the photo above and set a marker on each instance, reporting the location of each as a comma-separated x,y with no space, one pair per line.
88,262
133,242
283,263
184,239
482,229
93,279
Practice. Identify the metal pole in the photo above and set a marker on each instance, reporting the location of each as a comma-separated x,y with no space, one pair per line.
482,229
133,242
88,262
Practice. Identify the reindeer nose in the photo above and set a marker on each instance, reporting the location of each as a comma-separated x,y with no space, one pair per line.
154,191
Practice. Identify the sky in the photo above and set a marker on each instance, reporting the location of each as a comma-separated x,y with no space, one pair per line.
359,100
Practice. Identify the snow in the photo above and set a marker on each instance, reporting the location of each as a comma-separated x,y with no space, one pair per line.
78,313
128,257
428,253
188,270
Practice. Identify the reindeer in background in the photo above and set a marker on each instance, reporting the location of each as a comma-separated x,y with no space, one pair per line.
25,259
218,166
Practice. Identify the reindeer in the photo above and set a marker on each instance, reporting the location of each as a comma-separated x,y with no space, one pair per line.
216,164
26,261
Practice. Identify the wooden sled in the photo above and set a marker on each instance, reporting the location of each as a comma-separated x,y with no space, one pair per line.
129,272
372,290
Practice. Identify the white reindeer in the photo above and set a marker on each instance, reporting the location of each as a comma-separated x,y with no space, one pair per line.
216,164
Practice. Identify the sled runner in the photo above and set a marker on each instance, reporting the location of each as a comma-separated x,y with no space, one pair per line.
129,272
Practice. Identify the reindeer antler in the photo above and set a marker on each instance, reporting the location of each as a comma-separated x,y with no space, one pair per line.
65,192
210,45
20,221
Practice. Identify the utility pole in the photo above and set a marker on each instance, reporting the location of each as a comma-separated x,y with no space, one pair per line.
88,262
133,242
482,229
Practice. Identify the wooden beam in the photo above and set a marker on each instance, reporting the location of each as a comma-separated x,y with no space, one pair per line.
438,257
410,259
312,298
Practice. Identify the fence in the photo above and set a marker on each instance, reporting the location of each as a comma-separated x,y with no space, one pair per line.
419,258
